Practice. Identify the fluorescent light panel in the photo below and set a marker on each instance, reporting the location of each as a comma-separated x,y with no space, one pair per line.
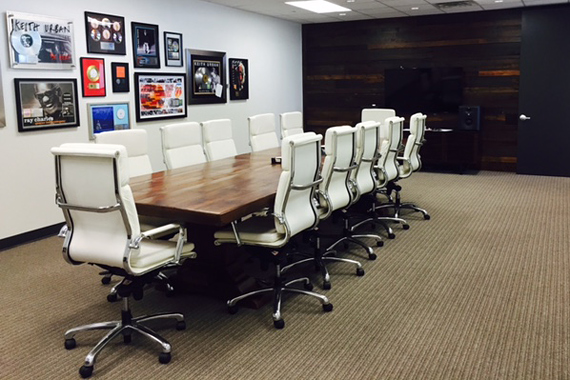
318,6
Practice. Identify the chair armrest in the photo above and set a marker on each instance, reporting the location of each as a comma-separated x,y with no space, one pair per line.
63,231
161,231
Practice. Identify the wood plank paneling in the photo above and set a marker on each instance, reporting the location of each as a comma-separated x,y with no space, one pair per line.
344,67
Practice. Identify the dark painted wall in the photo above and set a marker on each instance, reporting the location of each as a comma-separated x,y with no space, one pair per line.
344,67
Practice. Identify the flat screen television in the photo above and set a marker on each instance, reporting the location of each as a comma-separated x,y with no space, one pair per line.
426,90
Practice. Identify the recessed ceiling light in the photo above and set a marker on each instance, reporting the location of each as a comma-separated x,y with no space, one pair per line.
498,1
342,14
318,6
350,1
415,8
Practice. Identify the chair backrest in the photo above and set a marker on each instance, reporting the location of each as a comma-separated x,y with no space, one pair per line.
136,143
367,153
391,139
377,114
99,208
291,123
182,144
415,140
338,164
262,133
218,139
300,164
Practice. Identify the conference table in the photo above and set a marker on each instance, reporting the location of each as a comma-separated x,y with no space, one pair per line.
205,197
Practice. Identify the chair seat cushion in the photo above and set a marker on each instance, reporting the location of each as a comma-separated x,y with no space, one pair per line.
154,253
256,230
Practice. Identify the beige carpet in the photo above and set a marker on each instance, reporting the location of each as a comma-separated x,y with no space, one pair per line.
481,291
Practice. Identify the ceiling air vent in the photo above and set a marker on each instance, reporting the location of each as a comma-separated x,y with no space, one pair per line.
455,4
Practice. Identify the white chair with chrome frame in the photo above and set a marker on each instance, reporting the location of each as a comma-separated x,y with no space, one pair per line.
102,229
262,133
293,212
218,139
291,123
182,144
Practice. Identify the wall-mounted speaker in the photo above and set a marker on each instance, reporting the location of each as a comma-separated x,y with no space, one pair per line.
469,118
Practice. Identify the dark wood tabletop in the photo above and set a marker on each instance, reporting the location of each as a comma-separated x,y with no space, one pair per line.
214,193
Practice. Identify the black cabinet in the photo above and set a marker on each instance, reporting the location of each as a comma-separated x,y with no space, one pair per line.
450,150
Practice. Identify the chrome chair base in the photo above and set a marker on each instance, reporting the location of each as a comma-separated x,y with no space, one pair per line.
125,326
277,289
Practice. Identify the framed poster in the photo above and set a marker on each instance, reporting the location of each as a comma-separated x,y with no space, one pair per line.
46,103
173,49
145,45
93,77
206,70
40,42
160,96
107,117
120,76
239,85
105,33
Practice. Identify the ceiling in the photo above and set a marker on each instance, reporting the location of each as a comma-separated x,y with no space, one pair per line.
374,9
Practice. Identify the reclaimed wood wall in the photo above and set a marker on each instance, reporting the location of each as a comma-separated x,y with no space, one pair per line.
344,63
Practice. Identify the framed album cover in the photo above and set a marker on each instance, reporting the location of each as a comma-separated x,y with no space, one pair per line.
239,85
105,117
40,42
145,45
173,49
160,96
93,77
46,103
206,70
120,77
105,33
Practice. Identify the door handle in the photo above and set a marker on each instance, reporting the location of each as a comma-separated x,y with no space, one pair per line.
523,117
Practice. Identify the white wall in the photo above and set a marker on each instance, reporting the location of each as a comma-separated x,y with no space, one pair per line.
272,46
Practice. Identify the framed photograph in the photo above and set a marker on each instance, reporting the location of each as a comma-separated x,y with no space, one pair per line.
239,85
46,103
107,117
160,96
207,76
120,77
105,33
40,42
93,77
173,49
145,45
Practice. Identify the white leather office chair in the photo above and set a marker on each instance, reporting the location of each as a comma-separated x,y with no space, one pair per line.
136,143
293,212
377,114
411,162
262,133
387,169
102,229
218,139
182,144
291,123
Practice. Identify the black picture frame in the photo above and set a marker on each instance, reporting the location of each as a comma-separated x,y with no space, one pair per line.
56,108
160,96
120,77
105,33
208,65
239,80
173,49
146,45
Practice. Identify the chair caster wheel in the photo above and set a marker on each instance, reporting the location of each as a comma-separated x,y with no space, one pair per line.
372,256
308,286
380,243
391,236
164,358
127,339
106,280
112,297
70,343
85,372
406,226
327,307
359,272
181,325
279,324
326,285
232,309
427,217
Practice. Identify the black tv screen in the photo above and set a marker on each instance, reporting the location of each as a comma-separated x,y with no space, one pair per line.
426,90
